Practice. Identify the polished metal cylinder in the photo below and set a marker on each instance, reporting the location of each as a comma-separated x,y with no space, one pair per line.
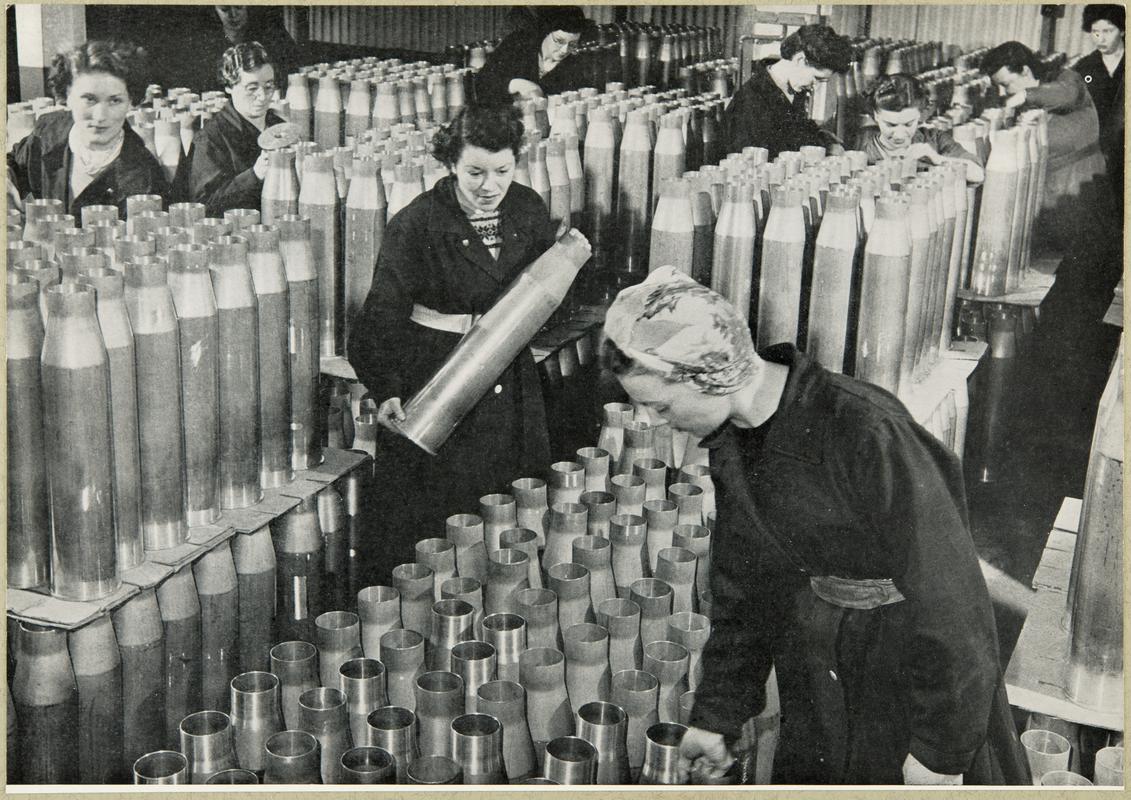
601,507
506,633
439,700
46,702
368,765
362,681
697,539
605,726
338,636
539,607
507,572
402,653
595,554
303,340
295,664
506,702
269,281
322,713
78,439
206,741
532,509
434,771
567,521
292,756
452,621
474,663
256,716
162,767
379,608
233,776
668,661
439,555
660,516
655,600
499,513
393,729
466,531
217,591
477,746
692,631
637,693
621,618
542,674
318,201
415,583
29,524
570,761
661,755
628,535
629,492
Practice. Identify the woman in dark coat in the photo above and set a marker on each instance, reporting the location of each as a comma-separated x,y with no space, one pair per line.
849,565
88,155
446,257
1102,70
536,61
226,166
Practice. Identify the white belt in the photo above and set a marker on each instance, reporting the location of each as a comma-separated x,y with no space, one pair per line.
452,323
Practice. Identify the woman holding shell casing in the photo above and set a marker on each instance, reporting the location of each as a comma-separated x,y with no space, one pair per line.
445,259
88,154
226,166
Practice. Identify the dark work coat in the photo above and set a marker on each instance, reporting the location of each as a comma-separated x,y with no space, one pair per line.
760,115
41,165
220,161
1107,96
433,257
842,482
942,142
517,57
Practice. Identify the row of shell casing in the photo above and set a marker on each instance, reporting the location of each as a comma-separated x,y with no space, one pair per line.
152,326
795,242
337,740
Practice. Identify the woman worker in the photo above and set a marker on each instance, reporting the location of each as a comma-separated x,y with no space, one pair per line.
535,61
445,258
849,564
88,155
225,166
896,106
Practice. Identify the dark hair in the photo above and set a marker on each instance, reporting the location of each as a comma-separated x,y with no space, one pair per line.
1014,56
493,128
246,57
823,47
124,60
570,19
1116,15
896,93
612,358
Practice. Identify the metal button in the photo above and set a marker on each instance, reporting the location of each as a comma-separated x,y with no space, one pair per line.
1087,79
832,675
498,388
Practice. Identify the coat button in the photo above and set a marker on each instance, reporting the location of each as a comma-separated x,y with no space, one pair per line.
466,242
832,674
498,388
1087,79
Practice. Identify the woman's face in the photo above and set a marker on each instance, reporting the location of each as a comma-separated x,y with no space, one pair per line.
99,103
483,177
252,95
1108,38
896,127
557,45
680,404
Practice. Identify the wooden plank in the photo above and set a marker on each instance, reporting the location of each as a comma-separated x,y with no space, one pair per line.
1032,293
1068,518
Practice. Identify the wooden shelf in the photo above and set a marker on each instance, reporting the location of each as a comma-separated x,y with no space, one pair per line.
1034,679
38,607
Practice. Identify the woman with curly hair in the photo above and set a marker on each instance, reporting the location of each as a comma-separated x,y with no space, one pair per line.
445,259
537,60
88,155
226,166
896,105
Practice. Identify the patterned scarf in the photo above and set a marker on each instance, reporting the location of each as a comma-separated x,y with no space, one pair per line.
683,331
88,164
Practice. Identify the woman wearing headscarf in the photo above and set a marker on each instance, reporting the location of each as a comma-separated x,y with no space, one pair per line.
88,154
535,61
849,568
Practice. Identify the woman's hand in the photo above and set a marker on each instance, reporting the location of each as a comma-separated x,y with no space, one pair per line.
390,411
526,89
704,753
975,174
260,165
915,774
1016,99
923,151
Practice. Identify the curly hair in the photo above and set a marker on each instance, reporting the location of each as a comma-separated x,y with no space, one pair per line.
124,60
493,128
246,57
1116,15
1014,56
896,93
823,47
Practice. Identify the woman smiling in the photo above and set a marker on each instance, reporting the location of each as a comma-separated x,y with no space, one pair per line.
88,155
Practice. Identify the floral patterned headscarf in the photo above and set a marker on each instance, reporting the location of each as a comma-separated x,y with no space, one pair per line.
683,331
